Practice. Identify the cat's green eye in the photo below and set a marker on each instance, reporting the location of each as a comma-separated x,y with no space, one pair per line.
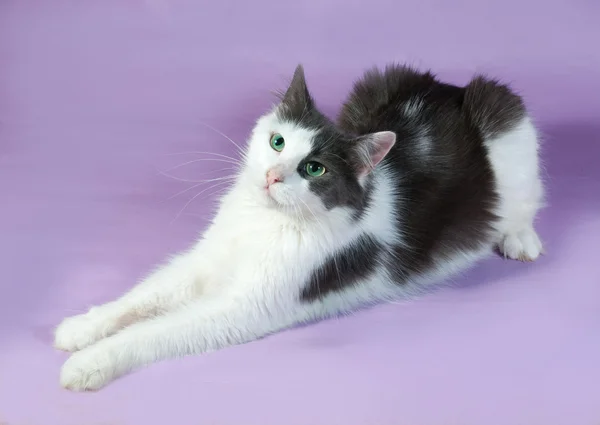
277,142
314,169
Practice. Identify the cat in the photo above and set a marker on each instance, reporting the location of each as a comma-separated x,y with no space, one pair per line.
415,181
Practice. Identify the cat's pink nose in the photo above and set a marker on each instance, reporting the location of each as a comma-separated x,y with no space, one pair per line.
273,177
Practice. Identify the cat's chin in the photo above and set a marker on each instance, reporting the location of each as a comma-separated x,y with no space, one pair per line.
272,201
271,195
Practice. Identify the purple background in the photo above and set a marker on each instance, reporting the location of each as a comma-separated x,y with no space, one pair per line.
95,96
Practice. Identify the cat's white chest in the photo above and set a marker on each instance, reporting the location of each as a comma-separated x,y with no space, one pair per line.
256,247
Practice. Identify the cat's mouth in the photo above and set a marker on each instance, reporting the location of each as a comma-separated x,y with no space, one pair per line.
271,191
276,194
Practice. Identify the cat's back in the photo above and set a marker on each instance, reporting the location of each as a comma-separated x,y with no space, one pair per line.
412,103
394,97
463,158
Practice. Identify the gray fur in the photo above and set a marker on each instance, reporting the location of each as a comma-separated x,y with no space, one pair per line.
446,188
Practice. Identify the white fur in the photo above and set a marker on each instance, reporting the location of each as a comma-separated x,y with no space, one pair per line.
243,278
514,158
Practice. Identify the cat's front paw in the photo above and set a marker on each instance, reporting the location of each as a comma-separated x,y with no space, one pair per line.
77,332
89,369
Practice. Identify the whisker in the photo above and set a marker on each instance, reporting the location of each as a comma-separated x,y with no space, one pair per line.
216,194
200,183
301,216
218,191
194,197
222,134
202,153
202,159
187,180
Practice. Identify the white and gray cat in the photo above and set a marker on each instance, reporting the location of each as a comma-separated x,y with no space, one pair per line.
416,181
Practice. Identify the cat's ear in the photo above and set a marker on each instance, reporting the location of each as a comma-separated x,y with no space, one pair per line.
297,93
371,149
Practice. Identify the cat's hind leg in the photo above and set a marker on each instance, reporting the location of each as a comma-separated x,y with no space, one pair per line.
515,163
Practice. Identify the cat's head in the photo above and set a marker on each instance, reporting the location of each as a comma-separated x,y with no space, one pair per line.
298,160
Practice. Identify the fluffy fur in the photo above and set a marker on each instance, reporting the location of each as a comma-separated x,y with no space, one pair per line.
422,178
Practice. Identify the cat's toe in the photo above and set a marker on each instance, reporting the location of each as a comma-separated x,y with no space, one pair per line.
87,370
524,245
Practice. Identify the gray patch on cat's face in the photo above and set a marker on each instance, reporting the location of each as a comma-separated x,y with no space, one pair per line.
339,186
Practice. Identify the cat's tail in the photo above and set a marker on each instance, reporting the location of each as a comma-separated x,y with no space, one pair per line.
492,106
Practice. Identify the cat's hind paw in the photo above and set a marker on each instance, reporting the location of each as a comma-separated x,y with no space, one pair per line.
524,245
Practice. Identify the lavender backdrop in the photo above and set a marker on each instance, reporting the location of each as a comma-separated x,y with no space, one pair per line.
96,96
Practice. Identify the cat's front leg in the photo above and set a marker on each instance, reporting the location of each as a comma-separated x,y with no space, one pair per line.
205,325
173,284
